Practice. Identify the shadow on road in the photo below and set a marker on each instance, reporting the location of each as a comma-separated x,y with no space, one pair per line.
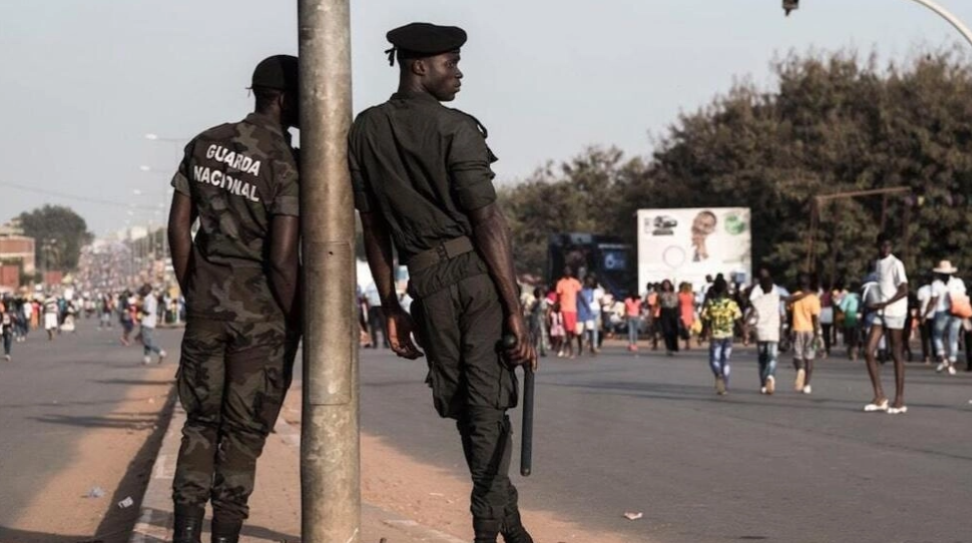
14,535
696,393
133,484
161,519
134,382
119,421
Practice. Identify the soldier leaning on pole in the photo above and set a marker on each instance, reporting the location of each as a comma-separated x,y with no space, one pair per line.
422,180
239,277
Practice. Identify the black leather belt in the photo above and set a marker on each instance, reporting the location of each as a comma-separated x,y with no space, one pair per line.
446,250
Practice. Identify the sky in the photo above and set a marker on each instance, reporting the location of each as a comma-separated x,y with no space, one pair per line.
83,82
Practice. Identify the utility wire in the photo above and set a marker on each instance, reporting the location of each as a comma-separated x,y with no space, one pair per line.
75,197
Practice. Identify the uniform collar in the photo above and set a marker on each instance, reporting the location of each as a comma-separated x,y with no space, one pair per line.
264,121
417,96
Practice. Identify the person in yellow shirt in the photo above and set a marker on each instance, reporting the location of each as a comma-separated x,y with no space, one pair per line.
806,332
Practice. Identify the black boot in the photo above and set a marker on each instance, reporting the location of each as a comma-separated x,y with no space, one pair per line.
486,530
513,530
226,532
188,524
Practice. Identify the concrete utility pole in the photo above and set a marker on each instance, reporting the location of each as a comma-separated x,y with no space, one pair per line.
330,463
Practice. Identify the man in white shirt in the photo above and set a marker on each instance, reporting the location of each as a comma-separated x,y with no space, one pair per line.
926,322
765,310
51,316
150,311
890,307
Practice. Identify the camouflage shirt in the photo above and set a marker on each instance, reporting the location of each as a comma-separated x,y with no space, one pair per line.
423,166
239,175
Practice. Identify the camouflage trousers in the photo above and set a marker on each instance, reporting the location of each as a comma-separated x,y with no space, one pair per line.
232,380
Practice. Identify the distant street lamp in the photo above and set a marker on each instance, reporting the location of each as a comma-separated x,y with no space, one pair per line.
156,137
792,5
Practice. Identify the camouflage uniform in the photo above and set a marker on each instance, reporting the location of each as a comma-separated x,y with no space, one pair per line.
237,352
423,167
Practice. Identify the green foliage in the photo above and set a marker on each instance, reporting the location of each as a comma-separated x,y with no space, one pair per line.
833,124
59,234
581,197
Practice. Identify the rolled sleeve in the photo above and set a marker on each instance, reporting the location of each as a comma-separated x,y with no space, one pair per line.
469,171
359,185
180,181
287,199
900,276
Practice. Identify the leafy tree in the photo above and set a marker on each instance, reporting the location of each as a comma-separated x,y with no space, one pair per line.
833,123
580,197
59,235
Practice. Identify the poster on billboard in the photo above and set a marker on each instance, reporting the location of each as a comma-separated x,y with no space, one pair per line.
685,245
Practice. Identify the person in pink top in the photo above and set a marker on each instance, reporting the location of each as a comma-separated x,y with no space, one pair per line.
567,290
632,309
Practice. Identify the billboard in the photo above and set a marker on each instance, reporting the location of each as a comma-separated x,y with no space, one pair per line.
688,244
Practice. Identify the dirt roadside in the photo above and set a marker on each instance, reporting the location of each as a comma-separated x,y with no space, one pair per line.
116,456
434,497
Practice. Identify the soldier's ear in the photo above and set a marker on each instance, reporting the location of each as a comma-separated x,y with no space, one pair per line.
419,67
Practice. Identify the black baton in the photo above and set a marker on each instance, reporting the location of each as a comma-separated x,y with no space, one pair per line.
526,445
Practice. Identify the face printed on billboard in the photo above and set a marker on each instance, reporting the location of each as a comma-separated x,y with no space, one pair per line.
688,244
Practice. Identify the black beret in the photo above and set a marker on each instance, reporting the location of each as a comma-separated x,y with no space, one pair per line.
277,72
417,40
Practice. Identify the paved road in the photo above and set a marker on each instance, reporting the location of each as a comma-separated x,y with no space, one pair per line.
622,433
51,395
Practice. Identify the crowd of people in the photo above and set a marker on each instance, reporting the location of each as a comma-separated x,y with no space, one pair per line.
56,312
879,317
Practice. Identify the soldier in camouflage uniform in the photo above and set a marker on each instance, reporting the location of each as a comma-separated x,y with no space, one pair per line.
423,183
239,277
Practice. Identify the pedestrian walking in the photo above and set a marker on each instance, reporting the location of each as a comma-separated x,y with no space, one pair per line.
587,319
568,291
596,303
126,317
51,316
889,309
376,318
536,313
686,309
668,316
26,315
107,309
633,311
827,319
7,324
150,315
926,321
423,183
850,307
950,303
765,312
239,276
557,331
721,314
652,314
807,340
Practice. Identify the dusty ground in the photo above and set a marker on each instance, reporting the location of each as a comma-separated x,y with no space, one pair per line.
434,497
117,456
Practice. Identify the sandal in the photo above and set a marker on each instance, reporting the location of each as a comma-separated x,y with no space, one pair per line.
872,407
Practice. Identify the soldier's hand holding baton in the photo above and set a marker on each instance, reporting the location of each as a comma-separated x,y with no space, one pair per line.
519,350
